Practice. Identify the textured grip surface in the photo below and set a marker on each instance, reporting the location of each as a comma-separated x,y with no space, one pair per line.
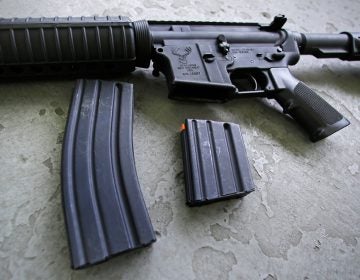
312,112
327,113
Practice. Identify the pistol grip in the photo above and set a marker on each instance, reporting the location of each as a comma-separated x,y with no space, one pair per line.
311,111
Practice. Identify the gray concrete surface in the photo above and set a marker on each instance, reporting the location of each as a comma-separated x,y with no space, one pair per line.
303,220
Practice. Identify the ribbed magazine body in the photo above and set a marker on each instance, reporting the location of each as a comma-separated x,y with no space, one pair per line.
104,209
215,162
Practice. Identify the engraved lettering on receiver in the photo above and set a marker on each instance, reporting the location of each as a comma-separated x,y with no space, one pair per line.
242,50
189,69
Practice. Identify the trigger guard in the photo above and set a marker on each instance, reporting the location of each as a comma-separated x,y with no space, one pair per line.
252,85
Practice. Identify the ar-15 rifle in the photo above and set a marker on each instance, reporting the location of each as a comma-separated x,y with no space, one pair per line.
203,61
104,209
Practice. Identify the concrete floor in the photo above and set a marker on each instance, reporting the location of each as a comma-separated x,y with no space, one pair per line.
303,220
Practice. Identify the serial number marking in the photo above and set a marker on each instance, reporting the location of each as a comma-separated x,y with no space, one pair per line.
191,74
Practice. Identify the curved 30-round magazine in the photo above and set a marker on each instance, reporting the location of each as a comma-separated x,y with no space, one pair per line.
105,212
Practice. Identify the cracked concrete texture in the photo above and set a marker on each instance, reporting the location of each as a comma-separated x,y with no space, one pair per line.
209,263
303,220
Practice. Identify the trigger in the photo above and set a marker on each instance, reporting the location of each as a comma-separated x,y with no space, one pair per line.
244,82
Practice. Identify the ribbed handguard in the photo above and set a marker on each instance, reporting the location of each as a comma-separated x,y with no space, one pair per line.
47,46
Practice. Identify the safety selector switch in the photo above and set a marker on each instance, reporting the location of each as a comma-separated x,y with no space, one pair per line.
215,162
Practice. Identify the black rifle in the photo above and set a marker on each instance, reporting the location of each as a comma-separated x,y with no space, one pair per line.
204,61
